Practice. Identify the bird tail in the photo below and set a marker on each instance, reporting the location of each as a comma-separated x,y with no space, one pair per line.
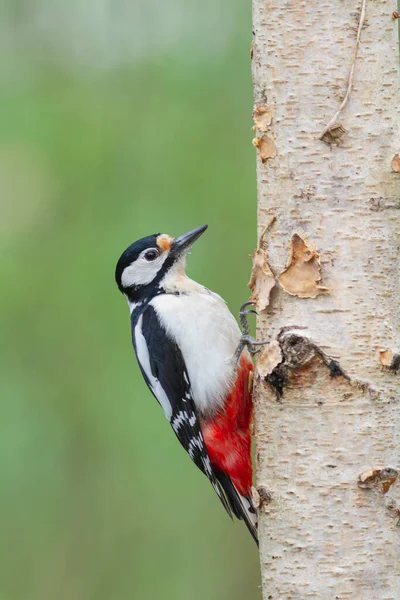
242,506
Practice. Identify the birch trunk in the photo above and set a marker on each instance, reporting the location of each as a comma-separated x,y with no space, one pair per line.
327,395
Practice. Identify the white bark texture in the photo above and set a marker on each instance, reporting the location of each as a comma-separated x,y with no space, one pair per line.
327,420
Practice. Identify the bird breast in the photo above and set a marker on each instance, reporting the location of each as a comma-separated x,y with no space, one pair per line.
207,335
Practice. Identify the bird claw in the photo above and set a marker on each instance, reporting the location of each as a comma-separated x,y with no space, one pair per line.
246,339
242,310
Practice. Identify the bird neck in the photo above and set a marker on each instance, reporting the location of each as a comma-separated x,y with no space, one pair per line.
177,282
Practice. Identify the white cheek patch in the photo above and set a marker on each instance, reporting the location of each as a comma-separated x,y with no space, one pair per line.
142,271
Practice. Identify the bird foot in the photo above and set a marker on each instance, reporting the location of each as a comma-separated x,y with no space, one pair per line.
247,339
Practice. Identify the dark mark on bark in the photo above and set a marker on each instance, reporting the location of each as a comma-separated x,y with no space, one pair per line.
298,352
382,477
278,379
265,495
335,369
395,366
378,204
394,508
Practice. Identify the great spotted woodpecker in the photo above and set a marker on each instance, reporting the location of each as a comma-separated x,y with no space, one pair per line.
191,354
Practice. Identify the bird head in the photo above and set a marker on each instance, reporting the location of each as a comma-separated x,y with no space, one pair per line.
145,265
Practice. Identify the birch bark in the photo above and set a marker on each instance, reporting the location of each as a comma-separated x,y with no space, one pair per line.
327,395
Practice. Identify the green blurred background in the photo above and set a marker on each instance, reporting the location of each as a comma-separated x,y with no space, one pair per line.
118,119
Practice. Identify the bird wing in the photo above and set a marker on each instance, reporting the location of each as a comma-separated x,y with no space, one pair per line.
164,370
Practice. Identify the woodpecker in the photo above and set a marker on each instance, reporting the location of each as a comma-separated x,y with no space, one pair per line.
193,358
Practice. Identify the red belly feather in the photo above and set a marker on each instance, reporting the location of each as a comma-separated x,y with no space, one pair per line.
228,436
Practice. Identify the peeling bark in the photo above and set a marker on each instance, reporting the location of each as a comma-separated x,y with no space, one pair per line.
266,147
302,275
396,163
262,279
327,388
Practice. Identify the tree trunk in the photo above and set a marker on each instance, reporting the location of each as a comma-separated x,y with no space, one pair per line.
327,420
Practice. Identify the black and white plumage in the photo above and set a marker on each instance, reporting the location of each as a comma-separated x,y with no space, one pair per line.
185,339
165,373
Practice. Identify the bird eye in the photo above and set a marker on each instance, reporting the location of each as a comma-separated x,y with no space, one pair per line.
151,254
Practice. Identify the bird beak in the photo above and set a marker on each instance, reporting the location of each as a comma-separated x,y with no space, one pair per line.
183,242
